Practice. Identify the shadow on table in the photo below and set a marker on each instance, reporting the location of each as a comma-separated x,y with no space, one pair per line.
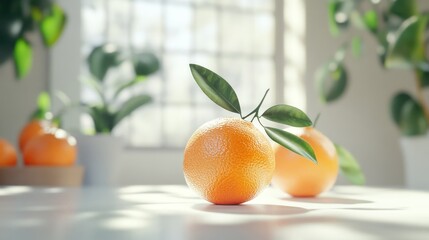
327,200
254,209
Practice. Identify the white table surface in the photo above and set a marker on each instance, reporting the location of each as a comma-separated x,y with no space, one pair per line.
175,212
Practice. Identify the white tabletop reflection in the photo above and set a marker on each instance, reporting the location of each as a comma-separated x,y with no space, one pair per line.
175,212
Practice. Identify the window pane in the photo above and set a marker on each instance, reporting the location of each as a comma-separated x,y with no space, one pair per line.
232,38
178,79
206,30
263,34
235,32
145,125
147,25
178,25
177,125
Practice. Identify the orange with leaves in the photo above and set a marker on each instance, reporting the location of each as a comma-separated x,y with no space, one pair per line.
227,160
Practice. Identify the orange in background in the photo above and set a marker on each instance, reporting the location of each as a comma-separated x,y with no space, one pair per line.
300,177
54,148
228,161
32,129
8,155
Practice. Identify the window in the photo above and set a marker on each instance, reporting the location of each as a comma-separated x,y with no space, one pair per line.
234,38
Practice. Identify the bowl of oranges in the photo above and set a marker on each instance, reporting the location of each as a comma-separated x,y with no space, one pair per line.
48,157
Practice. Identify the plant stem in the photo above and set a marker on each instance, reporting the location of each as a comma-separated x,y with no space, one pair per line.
316,120
420,96
257,108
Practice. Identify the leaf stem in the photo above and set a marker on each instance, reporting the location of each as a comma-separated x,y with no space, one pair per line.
256,110
316,120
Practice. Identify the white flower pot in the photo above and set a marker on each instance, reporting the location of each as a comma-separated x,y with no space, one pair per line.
415,151
100,156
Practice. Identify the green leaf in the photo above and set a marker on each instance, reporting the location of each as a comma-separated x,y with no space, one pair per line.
413,121
102,58
96,85
370,19
397,104
52,26
331,81
404,8
44,102
357,46
423,77
130,106
216,88
101,118
289,115
349,166
23,56
407,48
291,142
128,84
145,64
408,115
333,7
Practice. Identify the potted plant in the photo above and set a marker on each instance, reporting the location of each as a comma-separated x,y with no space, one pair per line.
399,28
99,151
17,20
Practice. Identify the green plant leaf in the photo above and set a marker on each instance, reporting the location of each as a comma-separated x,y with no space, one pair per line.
286,114
397,104
407,48
216,88
413,121
129,84
333,8
96,85
101,118
145,64
130,106
404,8
102,58
423,77
357,46
331,81
44,102
370,19
408,115
52,26
23,56
349,166
291,142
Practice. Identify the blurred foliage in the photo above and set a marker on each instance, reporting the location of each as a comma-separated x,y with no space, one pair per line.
102,59
400,29
18,18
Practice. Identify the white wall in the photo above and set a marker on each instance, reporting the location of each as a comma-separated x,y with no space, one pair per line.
360,120
18,97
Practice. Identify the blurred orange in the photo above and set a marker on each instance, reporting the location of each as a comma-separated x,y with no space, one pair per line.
54,148
7,154
299,176
32,129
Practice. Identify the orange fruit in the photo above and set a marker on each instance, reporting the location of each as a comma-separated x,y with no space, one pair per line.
228,161
300,177
7,154
54,148
32,129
